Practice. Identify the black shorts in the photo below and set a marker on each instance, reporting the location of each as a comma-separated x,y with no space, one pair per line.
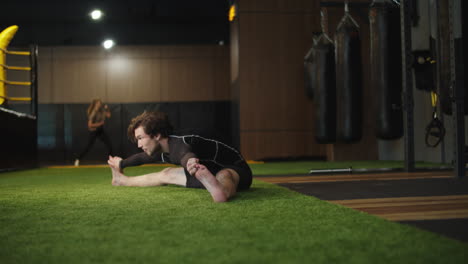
241,167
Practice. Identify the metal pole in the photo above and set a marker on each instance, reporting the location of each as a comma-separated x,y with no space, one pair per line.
407,83
33,49
33,75
457,87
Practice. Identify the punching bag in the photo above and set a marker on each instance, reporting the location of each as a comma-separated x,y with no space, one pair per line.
385,65
348,81
324,94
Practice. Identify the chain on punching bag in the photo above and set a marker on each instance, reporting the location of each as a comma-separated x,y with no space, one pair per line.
348,80
385,64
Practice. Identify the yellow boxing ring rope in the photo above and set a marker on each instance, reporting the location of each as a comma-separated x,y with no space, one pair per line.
5,39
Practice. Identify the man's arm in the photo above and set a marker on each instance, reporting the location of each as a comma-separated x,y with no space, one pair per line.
139,159
134,160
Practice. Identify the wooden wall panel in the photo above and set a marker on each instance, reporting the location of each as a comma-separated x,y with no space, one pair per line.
91,78
202,79
78,74
274,37
276,118
259,39
221,76
135,52
187,80
45,76
78,52
274,144
133,80
64,78
260,102
186,51
77,81
134,74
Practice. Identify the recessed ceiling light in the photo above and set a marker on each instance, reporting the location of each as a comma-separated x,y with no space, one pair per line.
96,14
108,43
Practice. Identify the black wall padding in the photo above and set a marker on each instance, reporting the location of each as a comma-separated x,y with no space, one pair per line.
348,82
17,141
325,93
310,71
385,65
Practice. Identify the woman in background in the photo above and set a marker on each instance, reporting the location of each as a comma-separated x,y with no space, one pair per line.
97,114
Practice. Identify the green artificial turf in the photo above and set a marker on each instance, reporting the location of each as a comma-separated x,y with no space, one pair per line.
77,216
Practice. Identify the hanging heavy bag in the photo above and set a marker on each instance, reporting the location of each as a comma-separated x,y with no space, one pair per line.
324,94
385,65
348,81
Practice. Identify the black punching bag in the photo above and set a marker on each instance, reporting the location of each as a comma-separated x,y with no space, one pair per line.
385,65
324,94
348,81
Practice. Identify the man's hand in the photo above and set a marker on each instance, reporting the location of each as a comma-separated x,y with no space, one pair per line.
192,166
114,162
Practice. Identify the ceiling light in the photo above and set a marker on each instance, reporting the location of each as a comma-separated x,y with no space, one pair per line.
96,14
108,43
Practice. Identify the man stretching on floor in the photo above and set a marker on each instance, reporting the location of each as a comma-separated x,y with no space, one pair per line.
206,163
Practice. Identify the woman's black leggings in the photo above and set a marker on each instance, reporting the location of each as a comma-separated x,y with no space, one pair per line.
98,133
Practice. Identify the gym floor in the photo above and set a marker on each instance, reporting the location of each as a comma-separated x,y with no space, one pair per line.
434,201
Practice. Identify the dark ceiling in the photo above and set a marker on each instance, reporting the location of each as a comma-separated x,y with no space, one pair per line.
137,22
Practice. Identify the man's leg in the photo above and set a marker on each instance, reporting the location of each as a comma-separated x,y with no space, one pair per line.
222,186
167,176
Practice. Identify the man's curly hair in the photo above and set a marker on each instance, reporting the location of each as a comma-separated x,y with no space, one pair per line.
153,123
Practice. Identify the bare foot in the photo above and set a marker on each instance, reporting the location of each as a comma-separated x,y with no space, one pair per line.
211,184
117,177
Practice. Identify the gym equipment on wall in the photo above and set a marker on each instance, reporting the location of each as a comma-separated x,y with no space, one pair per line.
448,37
348,79
435,130
385,65
424,70
325,93
447,32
